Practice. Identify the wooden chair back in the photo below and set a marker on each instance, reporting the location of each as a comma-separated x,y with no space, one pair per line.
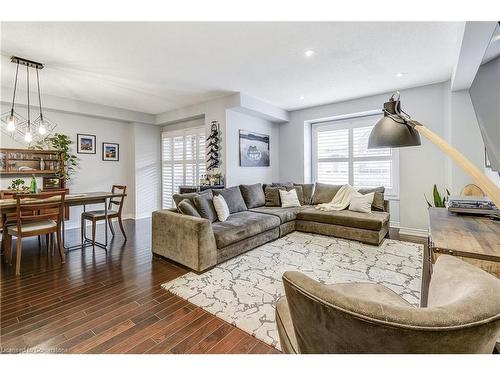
43,206
117,201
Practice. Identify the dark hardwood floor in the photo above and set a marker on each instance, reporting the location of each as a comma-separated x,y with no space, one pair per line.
100,302
112,302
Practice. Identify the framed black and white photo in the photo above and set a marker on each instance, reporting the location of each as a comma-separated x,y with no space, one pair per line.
85,144
254,149
110,151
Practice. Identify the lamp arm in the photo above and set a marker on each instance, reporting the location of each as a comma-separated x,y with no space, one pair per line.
491,190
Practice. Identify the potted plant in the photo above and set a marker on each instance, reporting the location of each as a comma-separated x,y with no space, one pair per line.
438,200
18,185
61,143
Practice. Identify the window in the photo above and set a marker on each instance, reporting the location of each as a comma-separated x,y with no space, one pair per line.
183,160
341,156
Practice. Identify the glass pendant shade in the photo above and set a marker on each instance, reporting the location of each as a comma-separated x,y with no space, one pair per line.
28,137
11,123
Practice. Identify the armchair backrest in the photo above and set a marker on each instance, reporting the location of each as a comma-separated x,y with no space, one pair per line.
463,315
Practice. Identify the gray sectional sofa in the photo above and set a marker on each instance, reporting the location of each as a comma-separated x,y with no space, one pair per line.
192,236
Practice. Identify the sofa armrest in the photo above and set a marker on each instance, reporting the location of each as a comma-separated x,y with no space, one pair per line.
387,206
185,239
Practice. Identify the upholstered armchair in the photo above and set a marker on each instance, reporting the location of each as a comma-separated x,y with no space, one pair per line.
463,315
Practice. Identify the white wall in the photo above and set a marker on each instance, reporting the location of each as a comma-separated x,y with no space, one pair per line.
147,169
93,173
420,167
236,175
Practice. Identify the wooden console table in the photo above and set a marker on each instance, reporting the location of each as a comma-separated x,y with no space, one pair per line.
474,239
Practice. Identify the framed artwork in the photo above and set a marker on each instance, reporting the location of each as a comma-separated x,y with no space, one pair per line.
110,151
85,144
254,149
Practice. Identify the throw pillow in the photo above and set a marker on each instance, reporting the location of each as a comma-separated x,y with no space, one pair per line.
205,206
324,193
233,198
253,195
186,208
307,190
282,184
221,207
289,198
378,199
361,203
190,196
272,196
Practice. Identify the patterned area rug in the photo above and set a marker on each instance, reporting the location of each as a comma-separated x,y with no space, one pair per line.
243,291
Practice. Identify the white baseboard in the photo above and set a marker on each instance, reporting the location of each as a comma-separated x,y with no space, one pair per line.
414,232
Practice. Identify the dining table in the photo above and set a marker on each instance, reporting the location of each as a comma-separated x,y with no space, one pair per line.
71,200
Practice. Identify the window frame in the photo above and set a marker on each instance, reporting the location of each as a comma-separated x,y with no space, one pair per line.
196,131
350,122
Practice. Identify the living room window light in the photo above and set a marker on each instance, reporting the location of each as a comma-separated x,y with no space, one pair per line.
182,160
340,155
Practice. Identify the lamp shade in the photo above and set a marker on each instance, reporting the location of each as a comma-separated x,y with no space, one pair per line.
393,130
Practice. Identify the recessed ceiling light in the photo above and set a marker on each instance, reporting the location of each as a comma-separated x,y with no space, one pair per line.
309,53
399,75
302,97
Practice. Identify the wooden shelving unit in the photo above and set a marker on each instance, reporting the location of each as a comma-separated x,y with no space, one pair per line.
21,162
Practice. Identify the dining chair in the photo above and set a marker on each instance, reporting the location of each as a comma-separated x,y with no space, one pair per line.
49,209
115,208
10,219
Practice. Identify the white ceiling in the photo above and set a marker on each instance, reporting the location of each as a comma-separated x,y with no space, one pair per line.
155,67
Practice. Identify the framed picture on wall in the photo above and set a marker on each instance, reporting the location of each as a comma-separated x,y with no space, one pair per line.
110,151
254,149
85,144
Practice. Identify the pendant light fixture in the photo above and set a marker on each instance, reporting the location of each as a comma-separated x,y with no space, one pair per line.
13,124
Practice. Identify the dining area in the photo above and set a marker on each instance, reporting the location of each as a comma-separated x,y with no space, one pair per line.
42,216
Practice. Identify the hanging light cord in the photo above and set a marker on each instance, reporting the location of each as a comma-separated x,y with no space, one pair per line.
28,85
39,97
15,87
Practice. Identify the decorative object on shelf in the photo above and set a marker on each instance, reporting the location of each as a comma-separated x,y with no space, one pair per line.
254,149
438,201
33,186
85,144
42,164
50,183
110,151
213,146
13,124
398,129
60,143
18,185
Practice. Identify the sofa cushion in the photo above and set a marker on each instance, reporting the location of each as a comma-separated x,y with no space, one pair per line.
233,198
378,198
375,220
307,190
282,184
205,206
253,195
190,196
242,225
285,214
185,207
324,193
272,195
